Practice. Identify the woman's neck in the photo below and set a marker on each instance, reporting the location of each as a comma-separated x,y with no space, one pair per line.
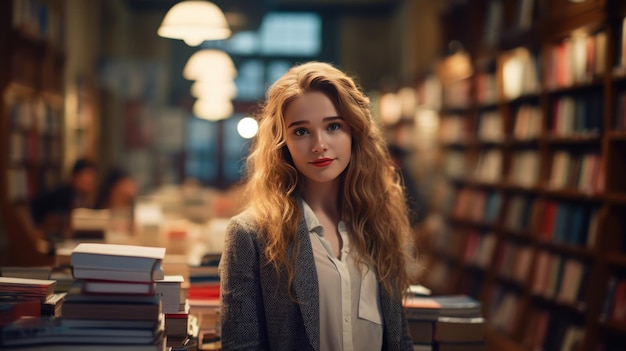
322,197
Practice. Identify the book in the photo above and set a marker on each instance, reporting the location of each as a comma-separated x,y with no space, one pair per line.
52,305
92,347
421,308
119,275
169,290
110,306
26,272
117,287
116,257
459,330
26,288
11,310
462,306
49,329
112,309
89,223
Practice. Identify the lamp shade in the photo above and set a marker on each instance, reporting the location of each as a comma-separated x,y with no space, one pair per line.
213,110
210,65
194,22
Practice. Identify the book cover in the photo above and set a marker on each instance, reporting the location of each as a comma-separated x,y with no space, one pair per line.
116,257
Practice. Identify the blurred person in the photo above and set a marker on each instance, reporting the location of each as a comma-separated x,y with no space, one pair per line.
321,257
51,210
117,191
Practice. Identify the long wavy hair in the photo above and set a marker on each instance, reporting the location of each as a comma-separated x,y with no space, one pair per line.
371,195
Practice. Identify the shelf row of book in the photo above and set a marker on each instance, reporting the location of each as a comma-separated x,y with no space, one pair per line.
574,170
34,114
37,19
554,275
24,182
543,220
536,320
34,148
571,119
546,327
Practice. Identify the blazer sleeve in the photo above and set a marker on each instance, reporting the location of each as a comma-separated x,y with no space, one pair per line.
242,312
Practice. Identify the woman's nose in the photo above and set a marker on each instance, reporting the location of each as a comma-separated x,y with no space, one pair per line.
320,145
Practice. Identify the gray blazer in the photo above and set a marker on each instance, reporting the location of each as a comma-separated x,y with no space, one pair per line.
257,312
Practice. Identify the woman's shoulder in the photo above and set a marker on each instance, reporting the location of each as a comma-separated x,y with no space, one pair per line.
244,224
244,220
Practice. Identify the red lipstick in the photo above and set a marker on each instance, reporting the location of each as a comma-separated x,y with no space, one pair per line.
322,162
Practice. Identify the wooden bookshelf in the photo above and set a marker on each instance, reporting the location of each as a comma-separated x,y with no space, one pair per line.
31,120
541,131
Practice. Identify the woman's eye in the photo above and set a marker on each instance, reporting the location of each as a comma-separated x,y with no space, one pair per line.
334,126
300,131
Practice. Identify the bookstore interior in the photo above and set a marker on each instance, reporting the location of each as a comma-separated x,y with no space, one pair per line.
509,117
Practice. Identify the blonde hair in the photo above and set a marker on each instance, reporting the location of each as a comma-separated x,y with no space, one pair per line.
371,197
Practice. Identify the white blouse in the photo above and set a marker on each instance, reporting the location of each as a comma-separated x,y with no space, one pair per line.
350,312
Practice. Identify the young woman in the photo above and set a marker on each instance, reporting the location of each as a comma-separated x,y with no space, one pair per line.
319,259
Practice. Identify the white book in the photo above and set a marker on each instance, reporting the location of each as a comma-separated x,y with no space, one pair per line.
117,257
118,275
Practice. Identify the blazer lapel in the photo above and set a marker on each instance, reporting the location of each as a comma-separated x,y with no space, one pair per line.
305,286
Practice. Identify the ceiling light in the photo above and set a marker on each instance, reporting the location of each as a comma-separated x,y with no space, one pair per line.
247,127
194,22
210,65
213,110
214,89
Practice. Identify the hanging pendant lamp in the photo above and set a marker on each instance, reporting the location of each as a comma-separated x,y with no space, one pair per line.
193,22
210,65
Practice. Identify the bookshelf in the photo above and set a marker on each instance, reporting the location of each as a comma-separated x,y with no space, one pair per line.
31,119
530,210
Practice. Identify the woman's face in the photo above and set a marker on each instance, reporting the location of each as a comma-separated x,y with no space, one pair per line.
124,192
318,139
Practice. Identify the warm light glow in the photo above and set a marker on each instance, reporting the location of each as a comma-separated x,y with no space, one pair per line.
390,108
214,90
247,127
512,77
210,66
408,100
194,22
213,110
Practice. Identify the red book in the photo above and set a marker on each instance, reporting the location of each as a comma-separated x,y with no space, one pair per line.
203,291
13,310
618,312
548,220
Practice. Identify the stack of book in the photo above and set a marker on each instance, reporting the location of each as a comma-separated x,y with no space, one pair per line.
112,306
21,297
421,314
179,325
204,294
460,325
445,323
